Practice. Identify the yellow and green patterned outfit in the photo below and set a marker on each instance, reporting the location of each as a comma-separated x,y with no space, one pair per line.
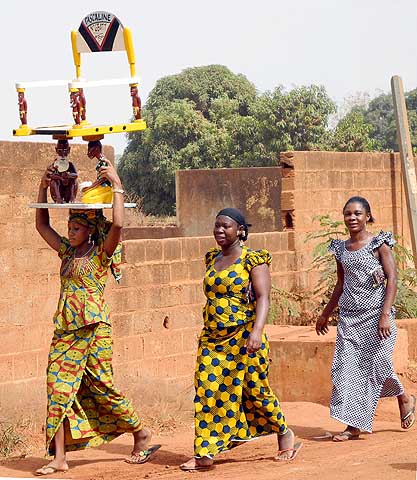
233,402
80,389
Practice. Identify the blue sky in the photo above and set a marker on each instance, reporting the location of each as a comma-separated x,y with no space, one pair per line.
347,46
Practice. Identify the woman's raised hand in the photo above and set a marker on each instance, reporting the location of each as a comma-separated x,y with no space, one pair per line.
46,177
108,171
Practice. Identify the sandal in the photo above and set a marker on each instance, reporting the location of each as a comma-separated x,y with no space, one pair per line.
195,467
48,470
294,450
345,436
411,415
143,456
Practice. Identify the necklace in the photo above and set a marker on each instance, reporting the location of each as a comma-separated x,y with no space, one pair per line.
76,267
84,254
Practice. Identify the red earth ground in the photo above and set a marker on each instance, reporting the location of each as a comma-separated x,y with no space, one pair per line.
388,453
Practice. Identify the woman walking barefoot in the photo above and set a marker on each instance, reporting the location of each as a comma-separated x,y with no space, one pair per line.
362,370
84,407
234,402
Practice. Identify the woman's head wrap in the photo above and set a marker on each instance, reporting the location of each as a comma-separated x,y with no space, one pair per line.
238,217
100,226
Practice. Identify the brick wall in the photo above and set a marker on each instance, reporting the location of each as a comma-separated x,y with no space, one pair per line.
318,183
29,278
200,194
156,316
156,311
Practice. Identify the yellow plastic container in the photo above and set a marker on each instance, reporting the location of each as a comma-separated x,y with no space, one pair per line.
98,194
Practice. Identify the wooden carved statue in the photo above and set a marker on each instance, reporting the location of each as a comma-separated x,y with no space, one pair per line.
81,98
76,106
64,183
136,103
22,108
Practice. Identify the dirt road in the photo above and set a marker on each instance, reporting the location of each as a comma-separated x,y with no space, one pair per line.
389,453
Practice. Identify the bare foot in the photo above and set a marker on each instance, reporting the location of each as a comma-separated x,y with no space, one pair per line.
204,463
285,444
350,433
141,440
53,467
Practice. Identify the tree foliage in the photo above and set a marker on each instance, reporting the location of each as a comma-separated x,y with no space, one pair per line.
189,118
380,114
209,117
353,134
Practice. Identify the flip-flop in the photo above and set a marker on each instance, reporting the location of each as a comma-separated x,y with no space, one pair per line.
294,450
48,470
411,414
143,456
195,467
326,436
347,436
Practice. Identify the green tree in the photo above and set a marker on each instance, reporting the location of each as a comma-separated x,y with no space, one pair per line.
380,114
352,134
188,117
296,120
208,117
202,86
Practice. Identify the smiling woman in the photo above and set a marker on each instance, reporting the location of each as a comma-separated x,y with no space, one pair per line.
362,369
233,400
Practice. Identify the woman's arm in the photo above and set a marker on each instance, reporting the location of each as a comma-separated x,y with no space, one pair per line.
45,230
388,264
114,235
261,281
323,321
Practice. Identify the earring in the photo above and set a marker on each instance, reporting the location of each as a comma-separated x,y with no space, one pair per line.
89,238
240,242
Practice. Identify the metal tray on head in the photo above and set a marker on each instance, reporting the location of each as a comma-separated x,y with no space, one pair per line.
78,206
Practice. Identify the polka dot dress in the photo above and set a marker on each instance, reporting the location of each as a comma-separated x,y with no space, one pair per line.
233,401
362,369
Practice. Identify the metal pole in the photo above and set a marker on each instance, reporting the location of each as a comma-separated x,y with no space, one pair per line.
407,159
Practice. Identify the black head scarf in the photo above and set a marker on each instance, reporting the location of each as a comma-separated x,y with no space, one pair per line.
238,217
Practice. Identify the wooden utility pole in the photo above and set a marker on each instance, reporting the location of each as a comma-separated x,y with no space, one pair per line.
407,158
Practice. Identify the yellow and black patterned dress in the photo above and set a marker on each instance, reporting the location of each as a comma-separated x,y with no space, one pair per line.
80,389
233,402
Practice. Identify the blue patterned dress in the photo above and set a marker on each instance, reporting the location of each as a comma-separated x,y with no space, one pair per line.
233,401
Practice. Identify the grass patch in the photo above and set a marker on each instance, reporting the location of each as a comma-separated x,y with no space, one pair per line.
12,440
137,217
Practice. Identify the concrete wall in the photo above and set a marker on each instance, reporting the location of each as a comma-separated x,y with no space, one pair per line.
29,280
320,183
301,361
201,194
156,311
156,316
